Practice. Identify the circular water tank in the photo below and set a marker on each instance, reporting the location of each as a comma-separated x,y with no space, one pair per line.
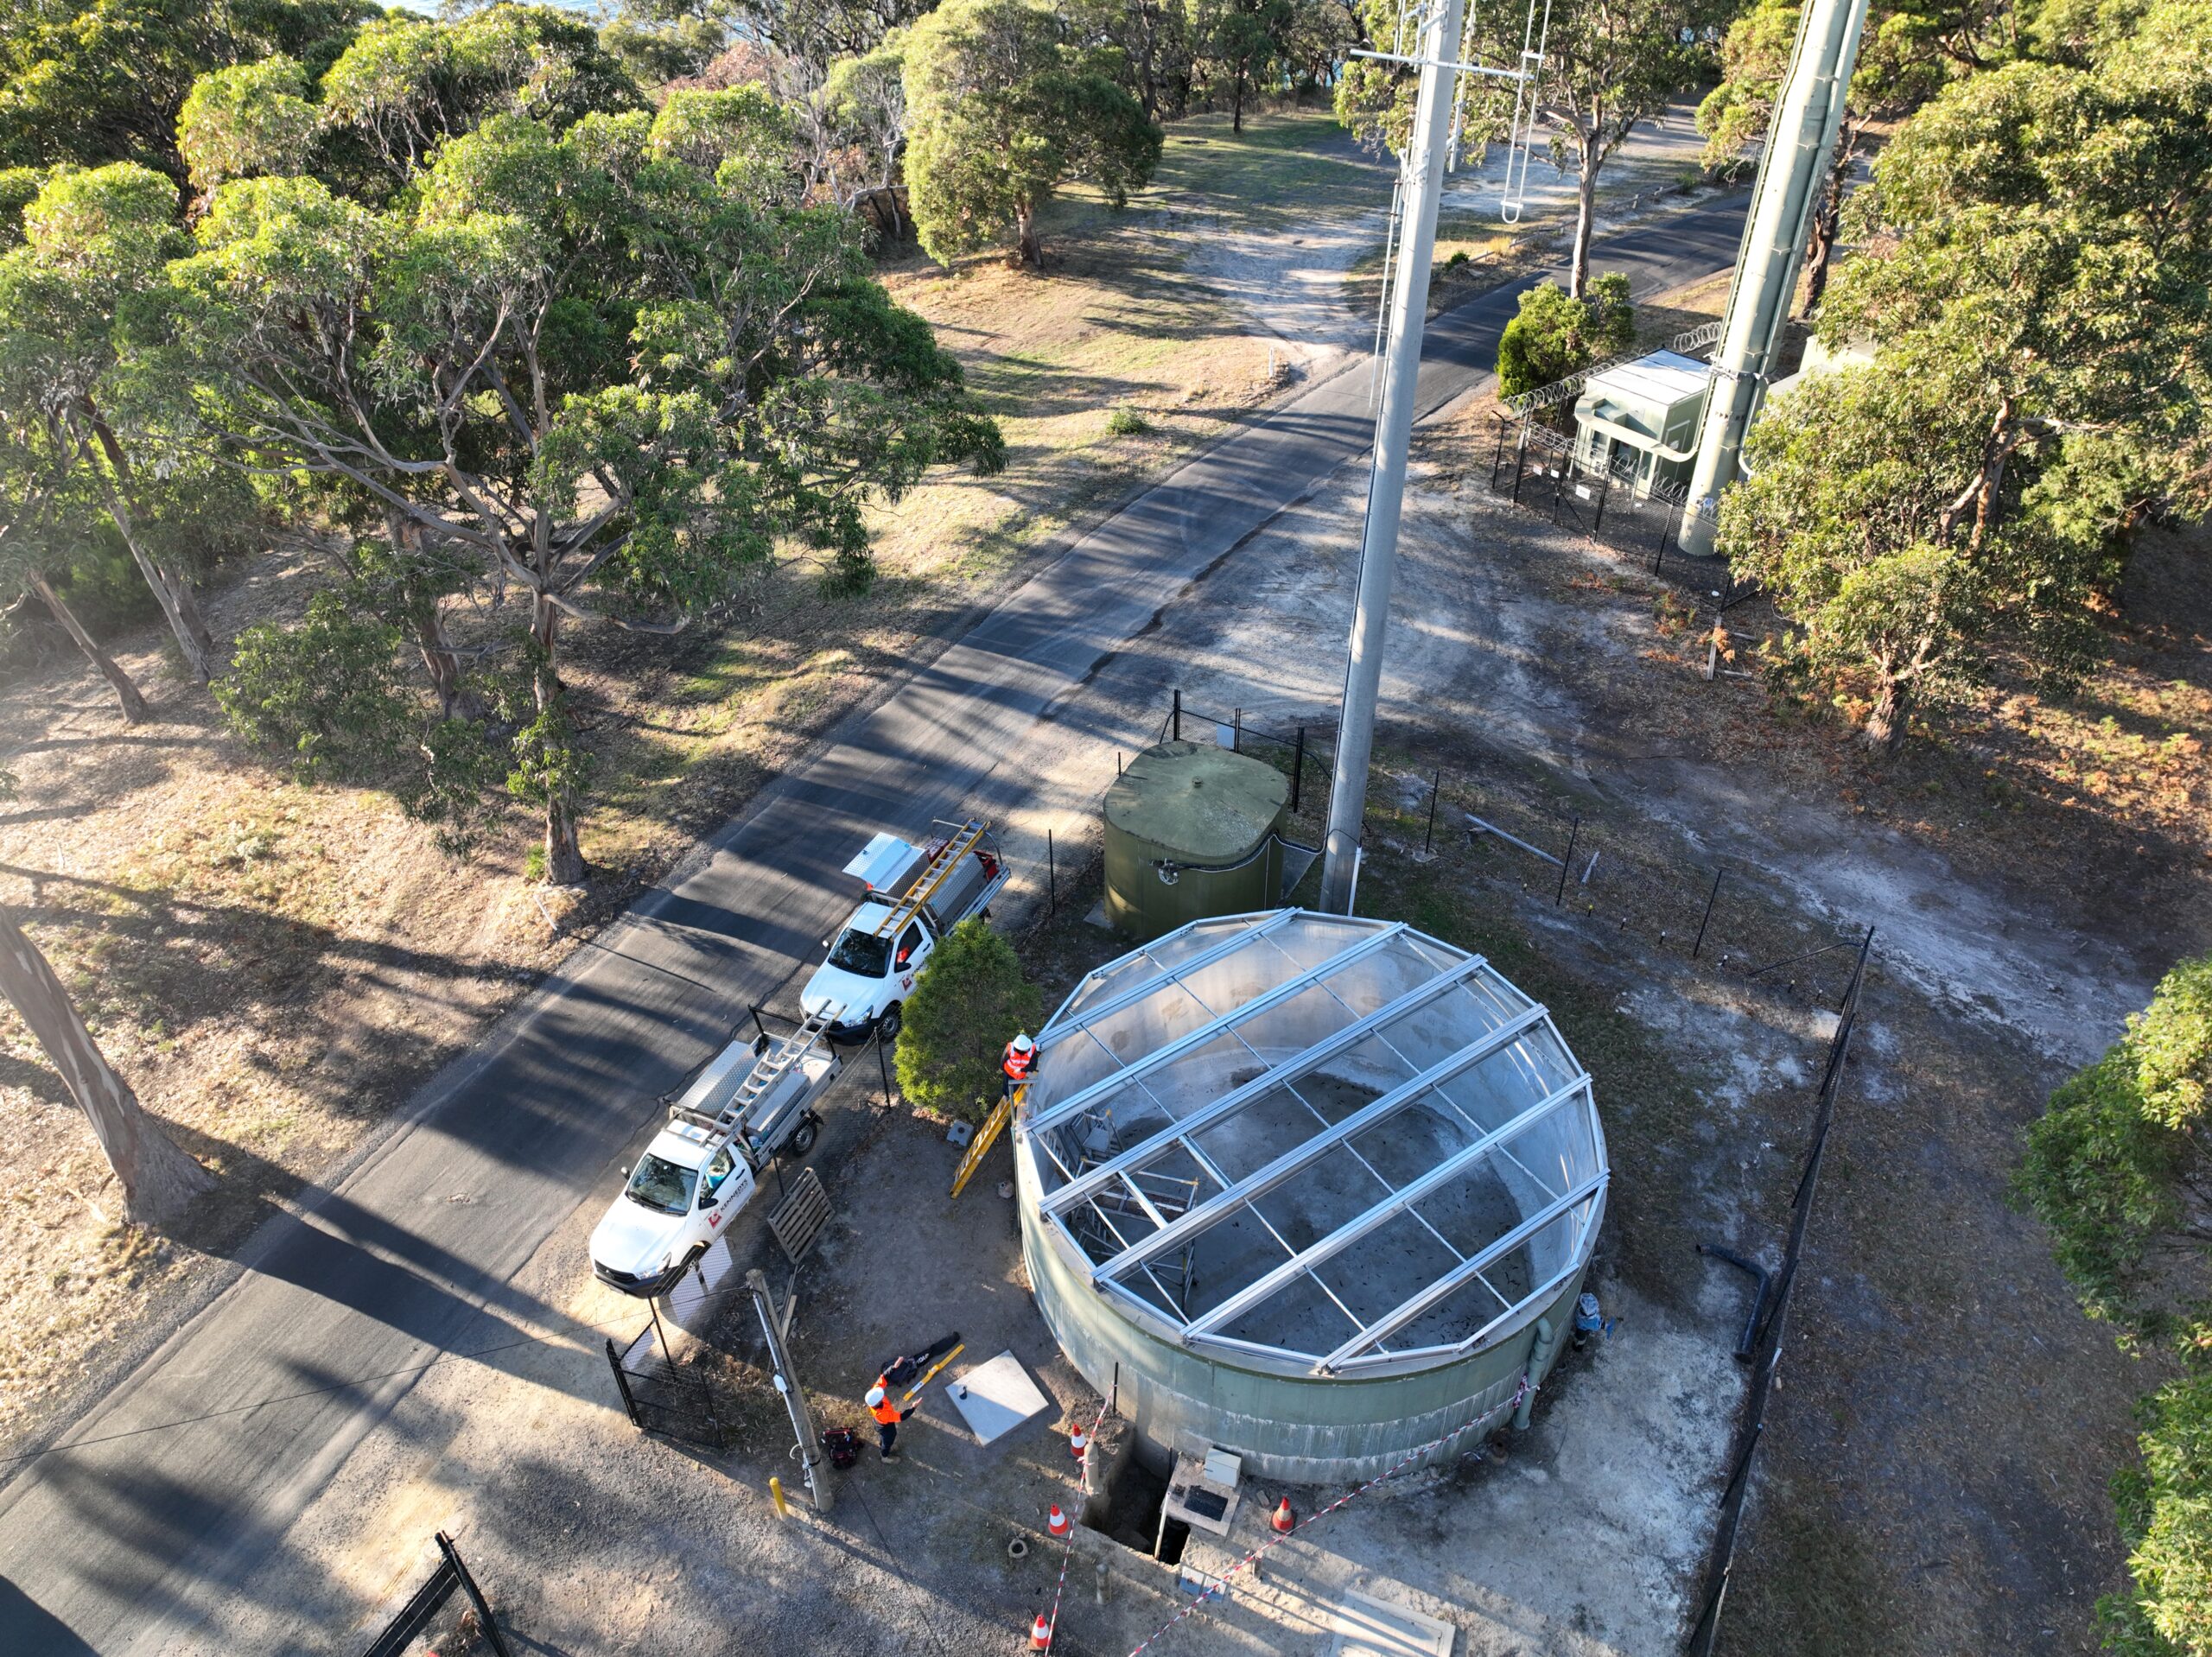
1317,1189
1192,833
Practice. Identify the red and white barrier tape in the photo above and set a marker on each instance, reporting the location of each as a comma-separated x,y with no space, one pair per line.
1067,1549
1410,1456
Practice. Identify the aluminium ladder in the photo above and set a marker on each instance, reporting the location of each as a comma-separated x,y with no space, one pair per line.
957,845
770,1068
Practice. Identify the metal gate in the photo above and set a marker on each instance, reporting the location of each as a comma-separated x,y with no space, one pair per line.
660,1396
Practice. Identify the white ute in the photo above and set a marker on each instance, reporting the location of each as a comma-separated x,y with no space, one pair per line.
754,1099
915,896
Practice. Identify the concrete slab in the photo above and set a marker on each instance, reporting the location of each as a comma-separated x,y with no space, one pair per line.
1378,1628
995,1398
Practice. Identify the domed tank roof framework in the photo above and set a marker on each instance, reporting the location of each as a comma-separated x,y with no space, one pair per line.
1304,1186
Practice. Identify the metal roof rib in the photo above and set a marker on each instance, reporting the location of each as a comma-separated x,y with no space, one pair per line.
1457,1278
1168,974
1320,1053
1259,1182
1063,1109
1228,1312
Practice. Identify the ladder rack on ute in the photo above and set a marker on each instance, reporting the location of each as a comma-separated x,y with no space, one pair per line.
962,840
770,1068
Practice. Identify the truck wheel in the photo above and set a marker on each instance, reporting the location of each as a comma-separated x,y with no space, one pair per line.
802,1137
886,1027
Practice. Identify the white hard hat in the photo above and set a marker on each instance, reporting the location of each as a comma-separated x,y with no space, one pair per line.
1022,1043
875,1396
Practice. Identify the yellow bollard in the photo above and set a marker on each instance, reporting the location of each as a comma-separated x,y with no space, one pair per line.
776,1494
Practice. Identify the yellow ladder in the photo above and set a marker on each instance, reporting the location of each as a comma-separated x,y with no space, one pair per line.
994,1125
947,859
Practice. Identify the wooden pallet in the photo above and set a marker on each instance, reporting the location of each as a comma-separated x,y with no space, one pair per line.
798,1219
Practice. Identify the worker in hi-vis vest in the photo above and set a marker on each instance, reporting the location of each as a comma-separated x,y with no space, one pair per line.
888,1417
1020,1061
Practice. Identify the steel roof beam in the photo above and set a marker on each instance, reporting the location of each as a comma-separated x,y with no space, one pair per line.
1460,1348
1290,1162
1077,1103
1094,1179
1389,1209
1460,1275
1168,974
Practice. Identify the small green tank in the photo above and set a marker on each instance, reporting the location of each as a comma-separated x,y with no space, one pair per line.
1192,832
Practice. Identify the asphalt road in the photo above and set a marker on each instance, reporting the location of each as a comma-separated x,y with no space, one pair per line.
131,1533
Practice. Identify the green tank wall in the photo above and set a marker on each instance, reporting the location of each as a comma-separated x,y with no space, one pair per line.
1305,1428
1212,813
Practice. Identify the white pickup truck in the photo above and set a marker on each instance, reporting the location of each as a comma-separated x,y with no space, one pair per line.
915,895
754,1099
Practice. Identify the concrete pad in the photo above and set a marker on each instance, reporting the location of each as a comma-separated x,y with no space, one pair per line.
995,1398
1368,1626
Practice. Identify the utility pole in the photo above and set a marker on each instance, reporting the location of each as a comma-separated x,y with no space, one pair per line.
1435,54
1808,115
786,1383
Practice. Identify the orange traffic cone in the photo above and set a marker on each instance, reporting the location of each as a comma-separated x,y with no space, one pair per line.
1283,1521
1040,1633
1056,1521
1078,1442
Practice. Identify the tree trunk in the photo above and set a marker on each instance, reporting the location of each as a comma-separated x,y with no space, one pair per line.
426,620
1237,104
1028,248
1883,733
564,857
1586,220
171,589
157,1178
134,704
1828,218
455,698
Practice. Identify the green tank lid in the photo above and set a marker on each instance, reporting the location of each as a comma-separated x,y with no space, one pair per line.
1200,805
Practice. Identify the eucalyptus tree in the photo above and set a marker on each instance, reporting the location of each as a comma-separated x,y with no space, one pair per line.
36,484
615,365
158,1179
86,82
94,244
1902,62
1003,107
2032,269
1609,67
408,83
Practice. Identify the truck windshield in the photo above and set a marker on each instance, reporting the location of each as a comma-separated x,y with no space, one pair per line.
659,1183
860,954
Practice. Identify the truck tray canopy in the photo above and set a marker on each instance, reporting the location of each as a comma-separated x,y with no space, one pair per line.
887,863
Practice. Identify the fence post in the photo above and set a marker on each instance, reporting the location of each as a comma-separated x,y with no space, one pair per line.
1705,919
1604,488
484,1618
1559,897
1520,460
622,1385
1236,730
1176,717
1559,487
1296,768
1428,838
1497,455
1051,874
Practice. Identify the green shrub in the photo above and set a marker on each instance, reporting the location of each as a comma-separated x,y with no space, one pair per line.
968,1003
1554,335
1126,422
